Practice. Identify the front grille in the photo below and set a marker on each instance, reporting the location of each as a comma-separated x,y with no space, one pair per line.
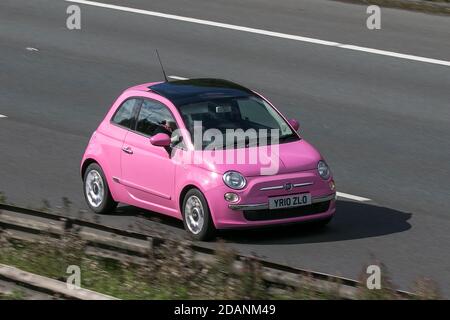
276,214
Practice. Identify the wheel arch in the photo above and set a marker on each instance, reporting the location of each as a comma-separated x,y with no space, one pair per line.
183,193
86,163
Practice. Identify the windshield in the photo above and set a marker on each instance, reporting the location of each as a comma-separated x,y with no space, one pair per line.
234,122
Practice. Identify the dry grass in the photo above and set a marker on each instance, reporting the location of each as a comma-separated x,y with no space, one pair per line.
171,272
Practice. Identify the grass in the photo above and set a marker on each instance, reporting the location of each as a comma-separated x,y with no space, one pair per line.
14,295
107,276
171,273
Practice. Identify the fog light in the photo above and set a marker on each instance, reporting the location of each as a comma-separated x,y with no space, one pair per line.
332,185
231,197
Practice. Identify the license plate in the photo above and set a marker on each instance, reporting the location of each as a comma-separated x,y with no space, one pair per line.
293,200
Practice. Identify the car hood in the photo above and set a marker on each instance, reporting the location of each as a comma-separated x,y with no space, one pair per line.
256,161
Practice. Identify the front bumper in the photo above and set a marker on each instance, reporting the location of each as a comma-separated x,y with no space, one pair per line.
252,208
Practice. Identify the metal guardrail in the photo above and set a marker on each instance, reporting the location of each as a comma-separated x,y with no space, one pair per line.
120,244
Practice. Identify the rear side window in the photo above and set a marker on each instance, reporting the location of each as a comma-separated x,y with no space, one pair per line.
125,114
154,118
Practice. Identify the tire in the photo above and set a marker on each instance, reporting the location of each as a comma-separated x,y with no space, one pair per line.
197,218
96,190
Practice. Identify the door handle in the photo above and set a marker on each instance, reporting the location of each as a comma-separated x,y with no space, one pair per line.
127,150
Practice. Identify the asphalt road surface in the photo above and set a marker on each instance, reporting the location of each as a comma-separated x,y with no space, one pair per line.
382,122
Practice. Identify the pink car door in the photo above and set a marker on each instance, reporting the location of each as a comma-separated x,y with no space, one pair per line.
112,132
148,172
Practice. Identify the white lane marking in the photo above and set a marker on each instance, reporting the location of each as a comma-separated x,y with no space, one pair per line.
265,32
351,197
177,78
2,116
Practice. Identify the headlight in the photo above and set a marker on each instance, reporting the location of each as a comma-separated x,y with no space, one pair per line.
234,180
323,169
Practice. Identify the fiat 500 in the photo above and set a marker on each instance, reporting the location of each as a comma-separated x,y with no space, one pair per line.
209,152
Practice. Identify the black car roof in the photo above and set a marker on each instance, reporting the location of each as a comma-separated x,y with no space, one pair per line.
194,90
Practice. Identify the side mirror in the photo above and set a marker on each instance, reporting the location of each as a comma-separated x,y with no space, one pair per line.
160,140
294,123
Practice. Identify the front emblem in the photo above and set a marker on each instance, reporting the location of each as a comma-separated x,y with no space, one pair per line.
288,186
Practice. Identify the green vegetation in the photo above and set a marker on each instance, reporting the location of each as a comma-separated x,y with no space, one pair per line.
15,295
171,272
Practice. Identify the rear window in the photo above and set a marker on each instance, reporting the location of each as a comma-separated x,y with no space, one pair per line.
125,114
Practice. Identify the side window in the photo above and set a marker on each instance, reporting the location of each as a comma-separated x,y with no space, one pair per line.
154,118
125,113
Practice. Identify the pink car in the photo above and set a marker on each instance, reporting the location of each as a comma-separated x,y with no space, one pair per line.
209,152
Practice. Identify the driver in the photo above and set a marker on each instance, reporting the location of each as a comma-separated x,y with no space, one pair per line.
167,126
